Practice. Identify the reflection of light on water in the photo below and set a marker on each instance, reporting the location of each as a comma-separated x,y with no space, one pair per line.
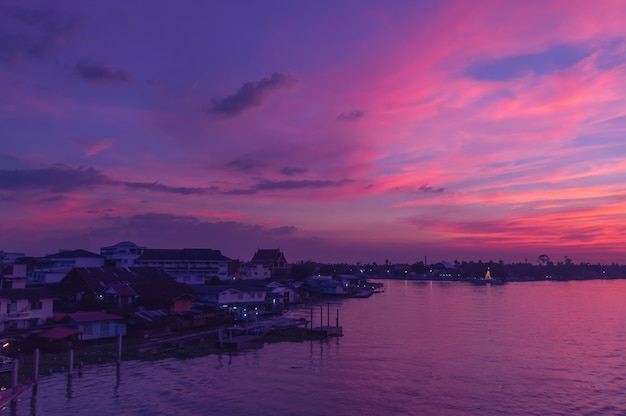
406,349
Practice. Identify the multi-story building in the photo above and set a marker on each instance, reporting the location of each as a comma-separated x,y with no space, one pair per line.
9,258
122,254
272,259
54,267
24,308
189,265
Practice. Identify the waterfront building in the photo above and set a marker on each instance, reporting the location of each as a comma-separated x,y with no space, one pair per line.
188,265
125,288
24,307
91,325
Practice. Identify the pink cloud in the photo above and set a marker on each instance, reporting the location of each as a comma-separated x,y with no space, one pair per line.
99,147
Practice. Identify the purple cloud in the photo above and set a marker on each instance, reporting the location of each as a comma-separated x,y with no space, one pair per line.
430,189
100,73
30,33
58,179
253,94
157,187
62,178
245,165
292,171
351,116
268,185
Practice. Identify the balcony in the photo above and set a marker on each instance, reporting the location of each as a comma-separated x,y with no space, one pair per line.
14,316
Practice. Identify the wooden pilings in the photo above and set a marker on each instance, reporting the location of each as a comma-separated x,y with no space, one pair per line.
119,348
36,365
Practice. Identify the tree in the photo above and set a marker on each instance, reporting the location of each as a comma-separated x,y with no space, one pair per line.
543,259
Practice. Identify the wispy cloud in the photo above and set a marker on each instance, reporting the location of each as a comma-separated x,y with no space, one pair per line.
246,165
99,147
351,115
59,178
253,94
292,171
31,33
290,185
101,73
157,187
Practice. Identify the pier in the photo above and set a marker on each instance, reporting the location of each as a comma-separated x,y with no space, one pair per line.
327,330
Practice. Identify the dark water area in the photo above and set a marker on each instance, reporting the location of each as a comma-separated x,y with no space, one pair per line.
419,348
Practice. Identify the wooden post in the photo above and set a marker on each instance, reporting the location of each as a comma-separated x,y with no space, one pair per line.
70,366
119,348
328,316
36,365
311,319
337,319
321,316
16,370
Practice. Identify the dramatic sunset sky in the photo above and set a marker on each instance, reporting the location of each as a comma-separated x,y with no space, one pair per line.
338,131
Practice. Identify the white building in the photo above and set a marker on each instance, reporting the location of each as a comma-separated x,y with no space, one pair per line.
255,272
193,266
54,267
122,254
24,308
13,276
9,258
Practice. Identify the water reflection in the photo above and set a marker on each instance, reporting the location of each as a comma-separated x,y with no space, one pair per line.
417,348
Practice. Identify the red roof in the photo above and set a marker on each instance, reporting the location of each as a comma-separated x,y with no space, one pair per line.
89,316
60,333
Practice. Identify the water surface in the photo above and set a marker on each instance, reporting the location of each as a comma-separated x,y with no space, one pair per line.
423,348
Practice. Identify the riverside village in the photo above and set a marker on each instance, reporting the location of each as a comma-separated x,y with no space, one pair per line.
135,302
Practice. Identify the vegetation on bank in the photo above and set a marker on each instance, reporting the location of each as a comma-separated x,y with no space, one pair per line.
542,268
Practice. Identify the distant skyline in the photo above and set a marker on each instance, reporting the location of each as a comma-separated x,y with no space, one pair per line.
338,131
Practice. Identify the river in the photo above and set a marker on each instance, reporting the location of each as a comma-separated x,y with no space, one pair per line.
419,348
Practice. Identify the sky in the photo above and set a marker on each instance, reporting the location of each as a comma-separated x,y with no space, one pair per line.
338,131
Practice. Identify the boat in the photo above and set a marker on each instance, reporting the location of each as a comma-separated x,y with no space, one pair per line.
9,394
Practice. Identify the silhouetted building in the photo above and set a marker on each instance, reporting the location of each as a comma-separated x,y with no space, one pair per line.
189,265
122,254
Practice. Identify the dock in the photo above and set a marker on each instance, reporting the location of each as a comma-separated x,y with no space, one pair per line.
328,331
241,342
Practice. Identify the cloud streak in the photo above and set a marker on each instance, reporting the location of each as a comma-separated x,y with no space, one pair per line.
31,33
253,94
100,73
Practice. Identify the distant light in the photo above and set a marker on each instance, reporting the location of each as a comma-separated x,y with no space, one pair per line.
6,344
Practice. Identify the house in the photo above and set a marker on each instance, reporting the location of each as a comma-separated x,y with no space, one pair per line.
236,296
25,308
327,285
255,271
54,267
13,276
272,259
125,288
189,265
93,325
9,258
122,254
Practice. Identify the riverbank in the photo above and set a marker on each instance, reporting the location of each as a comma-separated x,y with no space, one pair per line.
106,353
